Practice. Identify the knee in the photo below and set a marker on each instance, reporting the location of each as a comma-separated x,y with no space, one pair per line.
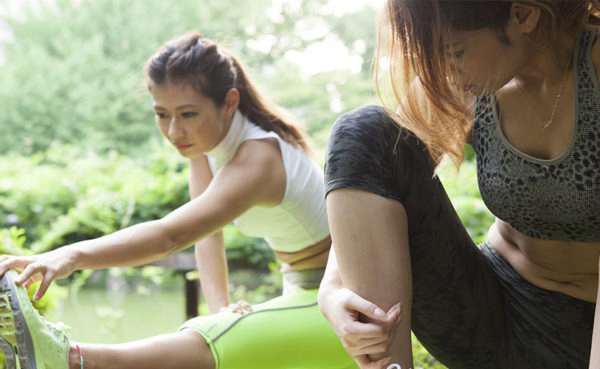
367,117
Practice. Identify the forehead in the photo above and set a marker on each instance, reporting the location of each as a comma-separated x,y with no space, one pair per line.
174,95
482,36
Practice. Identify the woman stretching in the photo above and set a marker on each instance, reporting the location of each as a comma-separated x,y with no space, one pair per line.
248,164
518,81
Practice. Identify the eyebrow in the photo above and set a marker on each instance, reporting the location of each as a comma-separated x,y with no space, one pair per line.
181,107
452,45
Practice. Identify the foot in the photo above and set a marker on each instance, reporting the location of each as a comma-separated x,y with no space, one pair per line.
38,343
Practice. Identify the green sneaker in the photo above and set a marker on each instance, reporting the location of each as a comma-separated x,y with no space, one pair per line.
9,354
38,343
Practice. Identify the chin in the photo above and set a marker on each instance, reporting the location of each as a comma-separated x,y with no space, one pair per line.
191,155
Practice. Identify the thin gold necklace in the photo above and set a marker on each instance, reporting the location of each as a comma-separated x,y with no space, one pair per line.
545,123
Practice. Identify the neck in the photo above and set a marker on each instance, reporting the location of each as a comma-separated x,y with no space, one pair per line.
548,66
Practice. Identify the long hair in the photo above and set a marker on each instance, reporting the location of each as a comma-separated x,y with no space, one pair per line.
211,70
412,70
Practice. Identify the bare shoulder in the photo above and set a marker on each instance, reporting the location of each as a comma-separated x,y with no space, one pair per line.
259,165
257,154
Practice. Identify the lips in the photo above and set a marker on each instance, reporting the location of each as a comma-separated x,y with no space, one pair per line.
182,146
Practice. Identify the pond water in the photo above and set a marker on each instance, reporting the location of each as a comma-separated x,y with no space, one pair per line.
99,316
122,313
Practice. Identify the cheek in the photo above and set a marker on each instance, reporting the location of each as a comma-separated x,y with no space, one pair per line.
486,70
162,127
204,130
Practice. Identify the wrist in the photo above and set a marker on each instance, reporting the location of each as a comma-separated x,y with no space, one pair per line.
73,256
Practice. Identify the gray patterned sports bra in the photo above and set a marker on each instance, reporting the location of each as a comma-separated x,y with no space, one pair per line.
557,199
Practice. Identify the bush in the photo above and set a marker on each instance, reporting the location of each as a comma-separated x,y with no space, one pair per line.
464,193
64,195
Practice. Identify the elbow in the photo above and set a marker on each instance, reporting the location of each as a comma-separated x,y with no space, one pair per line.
171,240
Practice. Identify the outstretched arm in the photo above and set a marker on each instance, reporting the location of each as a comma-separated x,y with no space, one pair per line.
249,179
370,240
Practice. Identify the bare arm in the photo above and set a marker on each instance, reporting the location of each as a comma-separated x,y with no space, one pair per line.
342,308
595,353
210,254
248,180
370,239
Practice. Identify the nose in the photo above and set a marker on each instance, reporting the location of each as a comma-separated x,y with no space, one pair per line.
175,129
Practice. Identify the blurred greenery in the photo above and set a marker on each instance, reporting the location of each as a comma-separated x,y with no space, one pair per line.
80,156
72,73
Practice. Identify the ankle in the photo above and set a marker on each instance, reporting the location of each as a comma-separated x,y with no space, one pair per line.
74,356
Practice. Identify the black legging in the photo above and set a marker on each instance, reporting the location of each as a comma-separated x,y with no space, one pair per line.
470,308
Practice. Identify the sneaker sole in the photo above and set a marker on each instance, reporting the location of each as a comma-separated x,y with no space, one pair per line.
10,306
9,354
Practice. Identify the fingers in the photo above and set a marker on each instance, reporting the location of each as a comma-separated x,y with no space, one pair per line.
365,363
364,338
240,307
394,313
48,278
33,273
378,329
358,331
369,348
367,308
12,262
29,273
244,306
367,338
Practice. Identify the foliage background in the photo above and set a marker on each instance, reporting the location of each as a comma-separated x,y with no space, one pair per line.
79,154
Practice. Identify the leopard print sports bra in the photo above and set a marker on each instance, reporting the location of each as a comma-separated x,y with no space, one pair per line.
557,199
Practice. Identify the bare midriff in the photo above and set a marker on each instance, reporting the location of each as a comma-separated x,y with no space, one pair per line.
563,266
314,256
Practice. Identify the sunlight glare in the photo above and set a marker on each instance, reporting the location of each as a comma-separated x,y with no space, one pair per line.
340,7
325,56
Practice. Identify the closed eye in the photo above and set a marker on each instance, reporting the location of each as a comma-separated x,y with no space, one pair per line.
457,54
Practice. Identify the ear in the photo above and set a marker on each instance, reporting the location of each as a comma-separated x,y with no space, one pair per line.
232,101
525,17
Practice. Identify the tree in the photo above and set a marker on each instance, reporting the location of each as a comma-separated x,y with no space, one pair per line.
73,73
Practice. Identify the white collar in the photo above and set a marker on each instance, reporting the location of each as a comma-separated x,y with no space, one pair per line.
225,149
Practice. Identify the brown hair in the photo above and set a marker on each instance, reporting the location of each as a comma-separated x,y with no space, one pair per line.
211,70
411,66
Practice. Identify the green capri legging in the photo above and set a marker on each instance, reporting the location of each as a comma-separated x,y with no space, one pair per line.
287,332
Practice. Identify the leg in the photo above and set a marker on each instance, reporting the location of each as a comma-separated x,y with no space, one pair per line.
403,219
183,349
42,345
287,332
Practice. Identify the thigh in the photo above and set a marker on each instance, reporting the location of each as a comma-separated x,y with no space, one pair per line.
287,332
457,307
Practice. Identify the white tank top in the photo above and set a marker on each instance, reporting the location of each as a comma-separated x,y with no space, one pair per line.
300,220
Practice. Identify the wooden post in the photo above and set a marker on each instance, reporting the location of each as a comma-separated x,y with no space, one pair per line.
192,297
183,262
